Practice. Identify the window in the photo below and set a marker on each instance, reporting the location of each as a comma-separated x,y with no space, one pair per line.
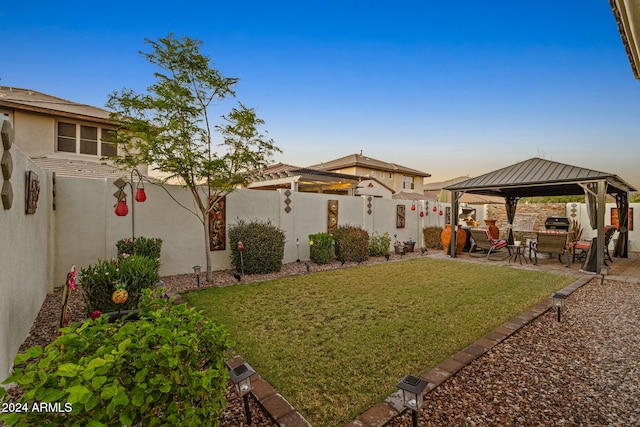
381,174
408,182
83,139
390,175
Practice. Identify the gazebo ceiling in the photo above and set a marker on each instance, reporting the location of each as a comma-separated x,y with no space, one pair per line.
538,177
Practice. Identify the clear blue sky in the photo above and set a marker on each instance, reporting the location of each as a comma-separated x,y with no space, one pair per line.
415,83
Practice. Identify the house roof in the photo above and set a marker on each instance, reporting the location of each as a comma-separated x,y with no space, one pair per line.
38,102
627,15
435,190
538,177
353,160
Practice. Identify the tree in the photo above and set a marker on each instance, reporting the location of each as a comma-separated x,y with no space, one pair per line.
169,127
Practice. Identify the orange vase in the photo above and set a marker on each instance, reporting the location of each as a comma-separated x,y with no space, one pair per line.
445,237
493,230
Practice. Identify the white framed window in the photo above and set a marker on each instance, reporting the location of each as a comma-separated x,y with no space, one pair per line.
407,183
84,139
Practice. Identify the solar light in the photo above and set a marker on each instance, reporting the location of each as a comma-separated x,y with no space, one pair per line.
412,397
298,248
196,271
241,378
558,301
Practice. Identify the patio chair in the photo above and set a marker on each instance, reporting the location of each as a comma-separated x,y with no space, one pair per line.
482,240
551,242
580,248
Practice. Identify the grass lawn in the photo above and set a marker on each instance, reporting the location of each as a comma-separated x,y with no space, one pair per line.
335,343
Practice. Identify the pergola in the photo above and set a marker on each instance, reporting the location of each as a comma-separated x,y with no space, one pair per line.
541,177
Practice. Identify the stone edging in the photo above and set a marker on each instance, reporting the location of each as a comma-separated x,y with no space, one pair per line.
381,414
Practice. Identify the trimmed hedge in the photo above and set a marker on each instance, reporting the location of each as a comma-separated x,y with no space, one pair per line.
263,246
432,237
352,243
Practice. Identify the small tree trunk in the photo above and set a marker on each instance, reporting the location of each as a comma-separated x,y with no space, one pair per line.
207,250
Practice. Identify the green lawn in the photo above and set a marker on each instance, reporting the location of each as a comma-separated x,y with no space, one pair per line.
335,343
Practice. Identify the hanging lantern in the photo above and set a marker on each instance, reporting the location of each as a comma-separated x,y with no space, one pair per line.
121,208
421,214
413,206
141,196
435,208
441,213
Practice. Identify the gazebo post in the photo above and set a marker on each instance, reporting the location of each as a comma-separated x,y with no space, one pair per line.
600,209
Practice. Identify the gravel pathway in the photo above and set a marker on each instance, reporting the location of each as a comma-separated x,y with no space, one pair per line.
582,371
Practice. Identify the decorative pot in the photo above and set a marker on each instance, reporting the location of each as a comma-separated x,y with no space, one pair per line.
493,230
409,246
445,237
399,249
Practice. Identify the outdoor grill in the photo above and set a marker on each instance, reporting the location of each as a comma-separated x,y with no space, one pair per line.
557,223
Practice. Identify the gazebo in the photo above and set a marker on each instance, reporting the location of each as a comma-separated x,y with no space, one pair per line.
541,177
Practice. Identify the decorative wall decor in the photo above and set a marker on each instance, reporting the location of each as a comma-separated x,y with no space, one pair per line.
287,201
53,190
33,192
332,221
614,218
217,225
7,195
400,216
369,205
6,162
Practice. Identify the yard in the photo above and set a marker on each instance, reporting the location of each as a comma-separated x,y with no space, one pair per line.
335,343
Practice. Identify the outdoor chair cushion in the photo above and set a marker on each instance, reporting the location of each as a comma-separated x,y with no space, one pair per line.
482,240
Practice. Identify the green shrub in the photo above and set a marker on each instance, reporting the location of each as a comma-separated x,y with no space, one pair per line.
263,246
321,248
145,372
98,281
379,244
432,237
147,246
352,243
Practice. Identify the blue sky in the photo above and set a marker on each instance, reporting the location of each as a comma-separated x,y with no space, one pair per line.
451,89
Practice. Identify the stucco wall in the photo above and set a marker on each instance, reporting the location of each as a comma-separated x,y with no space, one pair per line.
26,261
35,133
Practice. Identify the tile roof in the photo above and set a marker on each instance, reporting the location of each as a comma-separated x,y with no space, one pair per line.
360,160
31,100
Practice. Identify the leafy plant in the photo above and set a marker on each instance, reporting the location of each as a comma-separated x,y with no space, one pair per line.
379,244
321,248
432,237
263,246
148,372
99,281
146,246
352,243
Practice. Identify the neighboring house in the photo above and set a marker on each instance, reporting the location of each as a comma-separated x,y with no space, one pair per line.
398,178
435,190
60,135
627,15
311,180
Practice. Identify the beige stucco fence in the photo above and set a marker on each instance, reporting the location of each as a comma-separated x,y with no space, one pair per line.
37,250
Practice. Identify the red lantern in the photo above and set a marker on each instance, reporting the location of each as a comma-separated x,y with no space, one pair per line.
141,196
421,214
240,246
441,213
413,206
121,208
435,208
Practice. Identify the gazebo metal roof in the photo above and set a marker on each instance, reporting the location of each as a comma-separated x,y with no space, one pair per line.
539,177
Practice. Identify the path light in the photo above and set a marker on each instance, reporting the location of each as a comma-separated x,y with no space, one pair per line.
298,248
241,249
196,271
558,301
412,388
241,378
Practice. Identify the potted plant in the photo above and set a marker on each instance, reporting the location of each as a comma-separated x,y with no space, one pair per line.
409,245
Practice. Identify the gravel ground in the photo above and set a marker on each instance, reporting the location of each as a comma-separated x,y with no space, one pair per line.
45,327
582,371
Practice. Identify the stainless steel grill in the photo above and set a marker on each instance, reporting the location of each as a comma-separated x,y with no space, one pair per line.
557,223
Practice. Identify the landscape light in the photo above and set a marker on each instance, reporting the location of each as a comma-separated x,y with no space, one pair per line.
558,301
241,378
412,397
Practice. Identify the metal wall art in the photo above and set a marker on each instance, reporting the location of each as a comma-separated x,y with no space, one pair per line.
332,221
400,216
33,192
6,162
217,225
